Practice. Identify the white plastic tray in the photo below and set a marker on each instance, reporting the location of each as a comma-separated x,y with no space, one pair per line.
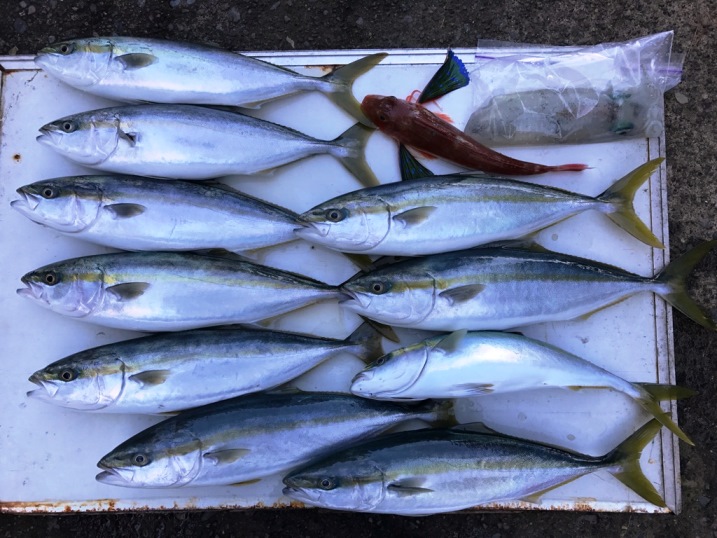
49,454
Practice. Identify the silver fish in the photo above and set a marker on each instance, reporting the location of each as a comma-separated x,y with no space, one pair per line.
131,69
455,212
250,437
501,288
465,364
170,372
135,213
169,291
192,142
433,471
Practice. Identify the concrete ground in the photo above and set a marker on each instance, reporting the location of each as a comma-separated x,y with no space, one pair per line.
691,116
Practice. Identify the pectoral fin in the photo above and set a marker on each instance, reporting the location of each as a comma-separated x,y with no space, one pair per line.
125,211
131,138
151,377
474,389
136,60
128,290
409,486
462,294
222,457
414,216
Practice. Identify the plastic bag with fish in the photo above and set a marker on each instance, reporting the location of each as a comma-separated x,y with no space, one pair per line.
573,95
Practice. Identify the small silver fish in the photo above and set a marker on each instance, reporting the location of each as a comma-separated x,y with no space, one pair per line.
169,291
253,436
170,372
454,212
192,142
433,471
132,69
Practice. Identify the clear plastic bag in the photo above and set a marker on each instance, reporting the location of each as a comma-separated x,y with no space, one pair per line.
572,94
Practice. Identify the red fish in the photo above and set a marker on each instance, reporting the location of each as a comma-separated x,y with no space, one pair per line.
415,126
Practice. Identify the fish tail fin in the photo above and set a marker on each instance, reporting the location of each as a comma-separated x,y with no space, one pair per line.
626,457
674,276
342,80
620,196
352,146
367,341
652,394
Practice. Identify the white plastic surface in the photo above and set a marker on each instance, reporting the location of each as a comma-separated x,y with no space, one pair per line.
49,454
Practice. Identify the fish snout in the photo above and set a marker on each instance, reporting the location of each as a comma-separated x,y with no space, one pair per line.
32,291
26,202
366,375
310,229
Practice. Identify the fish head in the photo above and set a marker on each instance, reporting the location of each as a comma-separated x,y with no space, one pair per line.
356,222
89,380
340,482
66,204
73,288
79,62
390,114
161,456
391,375
87,138
392,295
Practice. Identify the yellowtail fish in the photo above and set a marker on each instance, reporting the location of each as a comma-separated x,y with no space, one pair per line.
169,291
454,212
467,364
133,69
250,437
174,371
501,288
193,142
432,471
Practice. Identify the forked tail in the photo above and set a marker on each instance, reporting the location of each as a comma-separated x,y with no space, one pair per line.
342,81
626,459
675,275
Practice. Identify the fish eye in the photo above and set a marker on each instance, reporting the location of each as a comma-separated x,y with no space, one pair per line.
68,375
48,192
382,117
336,215
326,483
380,361
50,278
66,48
378,287
69,126
140,459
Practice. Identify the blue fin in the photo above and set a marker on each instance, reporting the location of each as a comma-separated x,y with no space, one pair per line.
410,167
452,75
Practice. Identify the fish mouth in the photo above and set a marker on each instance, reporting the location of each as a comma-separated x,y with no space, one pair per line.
49,136
27,203
359,379
46,390
114,476
354,300
32,291
301,494
310,229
